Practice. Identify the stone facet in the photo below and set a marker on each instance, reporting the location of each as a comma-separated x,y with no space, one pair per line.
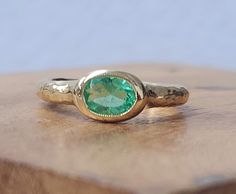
109,95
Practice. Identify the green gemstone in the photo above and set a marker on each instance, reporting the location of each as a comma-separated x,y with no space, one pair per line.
109,95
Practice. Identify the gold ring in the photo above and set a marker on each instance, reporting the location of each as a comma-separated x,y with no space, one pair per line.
111,96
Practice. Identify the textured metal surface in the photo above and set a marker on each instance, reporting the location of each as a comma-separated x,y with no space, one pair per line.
68,91
57,90
60,91
165,95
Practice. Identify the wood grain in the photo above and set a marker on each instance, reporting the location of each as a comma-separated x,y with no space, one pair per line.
54,149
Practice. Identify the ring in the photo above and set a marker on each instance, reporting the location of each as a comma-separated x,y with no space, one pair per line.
111,96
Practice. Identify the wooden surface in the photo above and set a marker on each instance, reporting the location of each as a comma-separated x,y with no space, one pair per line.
54,149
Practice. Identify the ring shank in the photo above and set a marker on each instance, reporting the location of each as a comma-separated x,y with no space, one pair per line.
161,96
60,91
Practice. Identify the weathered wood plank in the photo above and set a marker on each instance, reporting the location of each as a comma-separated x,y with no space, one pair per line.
164,150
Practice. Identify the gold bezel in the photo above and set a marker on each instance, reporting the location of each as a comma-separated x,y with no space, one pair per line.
141,98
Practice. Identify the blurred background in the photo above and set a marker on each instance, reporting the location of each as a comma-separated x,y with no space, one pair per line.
47,34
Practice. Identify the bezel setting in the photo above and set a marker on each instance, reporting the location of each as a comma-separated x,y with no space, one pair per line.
137,85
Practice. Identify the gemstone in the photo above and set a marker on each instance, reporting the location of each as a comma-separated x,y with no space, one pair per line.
109,95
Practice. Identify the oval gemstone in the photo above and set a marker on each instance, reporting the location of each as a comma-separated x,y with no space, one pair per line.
109,95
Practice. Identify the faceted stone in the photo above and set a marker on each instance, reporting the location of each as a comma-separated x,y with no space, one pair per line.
109,95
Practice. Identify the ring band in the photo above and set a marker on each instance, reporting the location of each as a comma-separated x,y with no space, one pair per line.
111,96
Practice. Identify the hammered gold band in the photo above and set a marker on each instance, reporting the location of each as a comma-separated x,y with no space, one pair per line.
60,91
145,94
